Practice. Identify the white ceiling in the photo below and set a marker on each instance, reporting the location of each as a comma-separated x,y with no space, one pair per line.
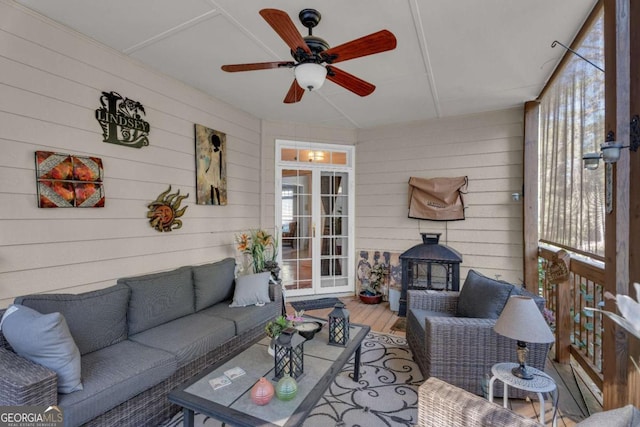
453,56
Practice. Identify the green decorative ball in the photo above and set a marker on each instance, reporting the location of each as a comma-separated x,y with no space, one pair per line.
287,388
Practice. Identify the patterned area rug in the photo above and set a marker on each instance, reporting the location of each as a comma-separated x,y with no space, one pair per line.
386,395
314,304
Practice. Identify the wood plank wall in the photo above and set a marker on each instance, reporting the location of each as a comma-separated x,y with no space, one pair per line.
50,85
486,147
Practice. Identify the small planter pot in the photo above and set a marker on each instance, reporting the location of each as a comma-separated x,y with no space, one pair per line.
272,347
371,299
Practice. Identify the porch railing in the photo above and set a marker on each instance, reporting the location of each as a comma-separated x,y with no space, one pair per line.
569,284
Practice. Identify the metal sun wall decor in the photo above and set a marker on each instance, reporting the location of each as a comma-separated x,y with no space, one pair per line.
121,121
67,181
211,166
165,210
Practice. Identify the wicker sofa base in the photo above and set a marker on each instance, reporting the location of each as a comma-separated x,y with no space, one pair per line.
151,407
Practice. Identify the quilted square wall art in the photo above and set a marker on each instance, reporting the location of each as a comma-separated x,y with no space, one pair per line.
67,181
211,166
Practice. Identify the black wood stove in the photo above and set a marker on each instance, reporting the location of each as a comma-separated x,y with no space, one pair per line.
429,265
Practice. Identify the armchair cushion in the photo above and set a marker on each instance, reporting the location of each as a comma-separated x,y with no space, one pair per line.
482,297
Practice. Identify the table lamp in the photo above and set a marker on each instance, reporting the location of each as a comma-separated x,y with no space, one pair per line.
522,321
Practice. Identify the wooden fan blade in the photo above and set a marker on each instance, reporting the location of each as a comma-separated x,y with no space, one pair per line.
295,93
286,29
349,81
233,68
368,45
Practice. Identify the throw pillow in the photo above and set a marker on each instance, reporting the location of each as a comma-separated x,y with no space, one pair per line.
620,417
252,289
44,339
213,282
482,297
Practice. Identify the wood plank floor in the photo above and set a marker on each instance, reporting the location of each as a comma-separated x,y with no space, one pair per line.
571,408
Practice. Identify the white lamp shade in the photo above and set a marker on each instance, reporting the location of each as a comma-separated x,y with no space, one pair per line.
521,320
310,76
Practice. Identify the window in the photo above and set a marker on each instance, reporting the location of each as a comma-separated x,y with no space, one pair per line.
287,208
572,123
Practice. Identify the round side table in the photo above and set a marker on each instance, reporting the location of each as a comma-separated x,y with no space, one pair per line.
541,383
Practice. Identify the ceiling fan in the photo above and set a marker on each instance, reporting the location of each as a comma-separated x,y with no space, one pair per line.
311,52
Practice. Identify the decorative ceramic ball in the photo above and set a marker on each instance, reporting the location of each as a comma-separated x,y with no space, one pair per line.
286,388
262,392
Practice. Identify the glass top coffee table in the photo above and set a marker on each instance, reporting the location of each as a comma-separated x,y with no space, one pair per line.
232,403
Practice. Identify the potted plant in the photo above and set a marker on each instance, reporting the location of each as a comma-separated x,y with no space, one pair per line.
370,293
274,328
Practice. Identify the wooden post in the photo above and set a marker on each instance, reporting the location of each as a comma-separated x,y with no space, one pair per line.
530,196
558,273
622,242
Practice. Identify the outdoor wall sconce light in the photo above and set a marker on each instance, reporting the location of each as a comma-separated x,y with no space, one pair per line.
610,149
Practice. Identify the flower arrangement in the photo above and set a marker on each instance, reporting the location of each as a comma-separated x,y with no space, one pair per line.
377,277
259,246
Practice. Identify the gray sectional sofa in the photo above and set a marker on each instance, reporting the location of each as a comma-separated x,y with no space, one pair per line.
137,340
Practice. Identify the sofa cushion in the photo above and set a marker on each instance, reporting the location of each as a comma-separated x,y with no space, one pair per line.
96,319
251,289
482,297
213,282
113,375
159,298
246,318
188,337
44,339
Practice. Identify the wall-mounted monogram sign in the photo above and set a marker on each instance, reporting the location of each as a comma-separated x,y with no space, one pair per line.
121,121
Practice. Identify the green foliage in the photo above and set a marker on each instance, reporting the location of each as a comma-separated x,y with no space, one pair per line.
276,326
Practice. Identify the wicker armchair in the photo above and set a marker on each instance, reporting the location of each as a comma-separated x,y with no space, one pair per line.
443,405
460,350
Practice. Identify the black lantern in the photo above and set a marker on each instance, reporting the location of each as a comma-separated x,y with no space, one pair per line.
339,325
289,354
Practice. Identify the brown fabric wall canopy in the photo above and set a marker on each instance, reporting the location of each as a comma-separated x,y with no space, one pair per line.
437,199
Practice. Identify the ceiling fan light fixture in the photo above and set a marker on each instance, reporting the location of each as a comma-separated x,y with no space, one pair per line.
310,76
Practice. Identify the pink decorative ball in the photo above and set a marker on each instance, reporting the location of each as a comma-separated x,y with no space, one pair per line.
262,392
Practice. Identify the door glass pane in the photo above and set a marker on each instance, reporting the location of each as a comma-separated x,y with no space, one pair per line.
296,229
333,225
314,156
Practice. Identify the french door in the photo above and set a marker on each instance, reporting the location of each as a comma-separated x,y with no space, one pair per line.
314,202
